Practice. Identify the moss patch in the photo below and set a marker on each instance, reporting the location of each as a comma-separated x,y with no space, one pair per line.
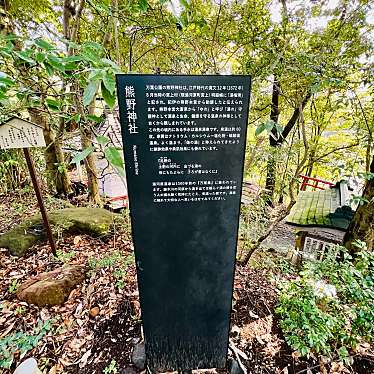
93,221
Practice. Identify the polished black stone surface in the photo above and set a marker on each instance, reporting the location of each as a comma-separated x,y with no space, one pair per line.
185,248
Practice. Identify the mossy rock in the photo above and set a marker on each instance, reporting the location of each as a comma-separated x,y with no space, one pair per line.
52,288
92,221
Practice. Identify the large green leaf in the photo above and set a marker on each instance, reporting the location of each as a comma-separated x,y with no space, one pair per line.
92,52
25,56
56,63
82,155
109,82
41,43
110,98
90,92
267,125
114,157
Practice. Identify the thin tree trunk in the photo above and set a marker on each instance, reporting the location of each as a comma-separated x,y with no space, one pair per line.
272,161
252,155
90,164
362,225
54,156
277,140
115,29
283,214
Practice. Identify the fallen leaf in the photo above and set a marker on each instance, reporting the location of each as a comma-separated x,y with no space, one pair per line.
94,311
77,240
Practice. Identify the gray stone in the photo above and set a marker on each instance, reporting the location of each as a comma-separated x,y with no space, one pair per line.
128,370
138,356
29,366
234,367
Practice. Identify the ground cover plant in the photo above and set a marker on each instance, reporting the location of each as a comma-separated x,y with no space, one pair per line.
328,309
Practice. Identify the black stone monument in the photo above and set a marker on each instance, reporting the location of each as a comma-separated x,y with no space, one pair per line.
184,144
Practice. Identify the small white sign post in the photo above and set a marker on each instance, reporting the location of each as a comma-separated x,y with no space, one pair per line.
19,133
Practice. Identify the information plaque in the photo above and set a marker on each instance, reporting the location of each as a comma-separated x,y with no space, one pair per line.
184,143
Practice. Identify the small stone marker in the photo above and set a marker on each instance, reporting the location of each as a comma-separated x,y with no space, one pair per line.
184,141
19,133
29,366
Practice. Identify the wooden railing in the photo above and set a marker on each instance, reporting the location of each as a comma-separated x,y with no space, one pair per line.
315,183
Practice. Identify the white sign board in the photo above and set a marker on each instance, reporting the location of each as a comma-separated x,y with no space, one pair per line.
18,133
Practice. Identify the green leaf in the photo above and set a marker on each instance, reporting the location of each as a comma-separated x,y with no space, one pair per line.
76,118
109,98
143,5
9,37
56,63
70,66
94,118
4,80
90,92
82,155
96,74
267,125
5,52
41,43
92,52
184,3
109,82
23,55
110,63
53,104
72,59
114,158
48,68
102,139
40,57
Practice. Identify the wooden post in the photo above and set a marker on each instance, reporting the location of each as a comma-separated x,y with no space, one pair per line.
35,183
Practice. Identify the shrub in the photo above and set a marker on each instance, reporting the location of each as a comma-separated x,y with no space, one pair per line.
329,308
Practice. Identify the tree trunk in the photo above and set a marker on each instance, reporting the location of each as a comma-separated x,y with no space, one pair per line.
90,164
362,225
272,161
277,140
58,178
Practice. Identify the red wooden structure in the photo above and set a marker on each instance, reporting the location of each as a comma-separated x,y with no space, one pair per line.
316,183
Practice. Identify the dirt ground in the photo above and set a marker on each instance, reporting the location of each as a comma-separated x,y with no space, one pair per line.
101,321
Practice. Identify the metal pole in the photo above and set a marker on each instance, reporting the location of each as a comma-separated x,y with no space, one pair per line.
38,194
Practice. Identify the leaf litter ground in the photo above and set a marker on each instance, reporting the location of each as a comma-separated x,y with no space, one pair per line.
100,322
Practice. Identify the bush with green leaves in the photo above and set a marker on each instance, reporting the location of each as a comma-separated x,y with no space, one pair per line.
329,308
21,343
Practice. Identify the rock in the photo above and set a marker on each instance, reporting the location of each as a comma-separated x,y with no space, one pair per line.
29,366
138,356
52,288
93,221
128,370
233,367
